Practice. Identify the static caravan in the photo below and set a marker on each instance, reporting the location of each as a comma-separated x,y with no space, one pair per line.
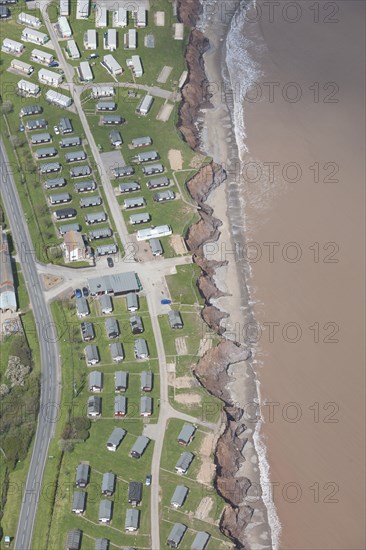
145,105
123,171
156,183
65,126
110,40
58,99
115,439
78,500
135,64
87,202
139,446
12,46
141,141
49,77
82,9
55,183
64,28
80,171
130,40
112,66
100,234
136,219
106,249
132,302
135,202
70,227
200,541
70,142
4,12
50,167
116,138
29,110
140,17
82,475
65,8
92,354
106,106
112,327
102,91
94,407
147,156
120,381
29,20
120,18
108,484
95,217
156,247
146,383
28,88
22,67
184,462
36,139
120,402
117,353
153,232
90,39
153,169
44,58
112,119
85,72
146,405
101,17
129,186
176,534
60,198
72,49
75,156
105,512
36,37
162,196
65,213
141,350
36,124
84,186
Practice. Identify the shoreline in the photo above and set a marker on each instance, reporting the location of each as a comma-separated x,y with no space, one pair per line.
238,478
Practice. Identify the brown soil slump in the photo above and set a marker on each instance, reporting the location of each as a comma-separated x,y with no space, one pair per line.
212,369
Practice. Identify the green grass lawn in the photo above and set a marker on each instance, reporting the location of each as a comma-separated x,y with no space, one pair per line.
182,286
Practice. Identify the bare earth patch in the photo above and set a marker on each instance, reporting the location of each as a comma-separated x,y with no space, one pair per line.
175,159
183,382
49,281
165,112
164,74
160,18
196,161
204,508
207,469
181,345
178,244
187,398
205,345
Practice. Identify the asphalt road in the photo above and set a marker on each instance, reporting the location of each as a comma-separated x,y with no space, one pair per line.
50,373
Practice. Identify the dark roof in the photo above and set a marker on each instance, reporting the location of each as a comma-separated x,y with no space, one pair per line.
101,544
134,491
176,534
78,500
82,473
73,539
200,540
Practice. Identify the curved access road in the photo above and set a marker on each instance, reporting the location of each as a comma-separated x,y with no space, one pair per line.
50,364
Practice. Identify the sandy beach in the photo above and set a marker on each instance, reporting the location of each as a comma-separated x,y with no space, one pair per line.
302,284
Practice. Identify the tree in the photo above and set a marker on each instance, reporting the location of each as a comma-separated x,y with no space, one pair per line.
7,107
66,445
17,141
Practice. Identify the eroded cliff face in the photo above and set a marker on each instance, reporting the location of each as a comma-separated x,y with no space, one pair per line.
212,369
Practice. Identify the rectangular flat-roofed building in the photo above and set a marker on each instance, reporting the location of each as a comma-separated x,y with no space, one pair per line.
85,72
22,67
130,40
28,88
117,352
112,327
85,186
156,247
58,99
157,168
64,27
120,18
162,196
136,219
105,511
184,462
135,202
92,354
72,49
73,539
82,307
36,124
39,56
115,439
45,137
158,182
95,381
108,484
134,493
36,37
175,319
112,65
105,249
78,502
129,186
65,213
123,171
65,125
82,9
186,434
132,519
70,142
106,304
146,380
65,7
50,167
30,110
87,331
29,20
146,405
102,544
87,202
132,302
106,106
139,446
117,284
60,198
73,247
140,17
153,232
102,91
200,541
90,39
141,141
49,77
80,172
179,496
112,119
140,349
75,156
147,156
116,138
120,406
45,152
135,64
145,105
101,17
176,534
69,227
104,233
82,475
8,300
94,406
110,40
12,46
120,381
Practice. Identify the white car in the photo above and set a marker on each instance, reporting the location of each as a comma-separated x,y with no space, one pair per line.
56,130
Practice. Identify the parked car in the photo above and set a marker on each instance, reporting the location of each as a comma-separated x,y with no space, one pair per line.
78,293
110,261
93,56
53,64
56,130
148,480
21,128
85,291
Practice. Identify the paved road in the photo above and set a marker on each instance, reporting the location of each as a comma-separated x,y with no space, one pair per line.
50,374
152,90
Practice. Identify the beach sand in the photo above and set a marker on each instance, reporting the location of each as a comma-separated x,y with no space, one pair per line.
312,367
